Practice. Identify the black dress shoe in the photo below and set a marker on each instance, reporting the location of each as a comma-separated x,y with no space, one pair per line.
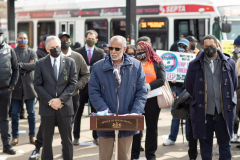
9,150
35,154
141,149
95,141
238,146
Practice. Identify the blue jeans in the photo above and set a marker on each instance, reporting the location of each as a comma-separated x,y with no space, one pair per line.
15,114
176,122
216,123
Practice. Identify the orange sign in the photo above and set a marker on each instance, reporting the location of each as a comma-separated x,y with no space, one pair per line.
152,24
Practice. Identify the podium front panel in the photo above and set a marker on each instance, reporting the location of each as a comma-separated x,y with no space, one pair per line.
125,123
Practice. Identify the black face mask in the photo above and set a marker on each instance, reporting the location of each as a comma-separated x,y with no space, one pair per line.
193,47
141,55
65,45
131,55
55,52
210,51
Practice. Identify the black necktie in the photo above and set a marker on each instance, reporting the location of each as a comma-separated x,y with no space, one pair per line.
55,68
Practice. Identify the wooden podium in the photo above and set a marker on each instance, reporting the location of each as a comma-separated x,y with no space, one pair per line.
116,123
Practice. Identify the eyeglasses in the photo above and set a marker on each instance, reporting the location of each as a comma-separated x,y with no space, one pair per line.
117,49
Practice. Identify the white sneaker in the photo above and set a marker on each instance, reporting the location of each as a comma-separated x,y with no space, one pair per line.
168,143
238,140
234,139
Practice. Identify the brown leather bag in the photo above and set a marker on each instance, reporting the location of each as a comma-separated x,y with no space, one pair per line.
166,99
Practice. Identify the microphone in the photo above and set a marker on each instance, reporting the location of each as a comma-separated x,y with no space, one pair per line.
115,71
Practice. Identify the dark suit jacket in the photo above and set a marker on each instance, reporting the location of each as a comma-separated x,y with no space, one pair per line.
46,85
98,54
24,87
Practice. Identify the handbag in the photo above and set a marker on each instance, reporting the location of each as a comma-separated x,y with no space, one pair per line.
166,99
181,108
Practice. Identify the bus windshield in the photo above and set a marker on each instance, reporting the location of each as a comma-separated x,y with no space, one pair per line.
235,30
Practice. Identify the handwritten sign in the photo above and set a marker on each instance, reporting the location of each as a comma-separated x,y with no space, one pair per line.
227,46
176,64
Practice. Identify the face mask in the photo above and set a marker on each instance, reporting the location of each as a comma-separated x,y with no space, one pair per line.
22,43
210,51
193,47
1,39
237,49
141,55
65,45
55,52
131,55
90,43
180,49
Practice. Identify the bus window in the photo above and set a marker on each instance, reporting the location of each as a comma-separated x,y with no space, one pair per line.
157,30
26,27
191,27
71,32
45,28
235,30
101,27
118,27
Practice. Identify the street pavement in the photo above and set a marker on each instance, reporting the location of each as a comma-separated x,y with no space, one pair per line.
87,151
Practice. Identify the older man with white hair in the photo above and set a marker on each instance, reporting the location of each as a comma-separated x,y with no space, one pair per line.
132,94
54,81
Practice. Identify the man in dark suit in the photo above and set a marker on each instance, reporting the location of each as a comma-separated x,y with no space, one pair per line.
54,81
91,54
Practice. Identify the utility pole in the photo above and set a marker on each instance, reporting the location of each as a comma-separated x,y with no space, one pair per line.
131,21
11,21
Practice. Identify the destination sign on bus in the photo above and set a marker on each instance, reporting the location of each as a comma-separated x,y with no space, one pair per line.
152,25
232,12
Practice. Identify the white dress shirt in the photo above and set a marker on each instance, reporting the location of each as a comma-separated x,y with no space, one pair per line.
58,63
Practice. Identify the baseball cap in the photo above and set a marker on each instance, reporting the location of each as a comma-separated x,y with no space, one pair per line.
45,37
106,45
191,39
63,34
184,41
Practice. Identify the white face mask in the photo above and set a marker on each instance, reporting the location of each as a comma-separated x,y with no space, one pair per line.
1,39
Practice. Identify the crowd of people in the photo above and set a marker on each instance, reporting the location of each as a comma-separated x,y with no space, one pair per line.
63,78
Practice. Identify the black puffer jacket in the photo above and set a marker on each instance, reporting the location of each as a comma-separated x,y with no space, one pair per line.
41,52
8,67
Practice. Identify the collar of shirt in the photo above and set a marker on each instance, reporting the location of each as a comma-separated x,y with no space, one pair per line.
69,52
87,49
58,60
208,60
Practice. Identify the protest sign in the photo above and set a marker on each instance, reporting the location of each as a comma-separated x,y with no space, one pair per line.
227,46
176,64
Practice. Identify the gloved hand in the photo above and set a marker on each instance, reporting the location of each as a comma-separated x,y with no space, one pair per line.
148,87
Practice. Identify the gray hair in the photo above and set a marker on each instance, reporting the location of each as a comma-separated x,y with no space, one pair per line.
49,38
120,39
20,33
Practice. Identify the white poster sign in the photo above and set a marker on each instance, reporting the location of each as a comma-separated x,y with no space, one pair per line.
176,64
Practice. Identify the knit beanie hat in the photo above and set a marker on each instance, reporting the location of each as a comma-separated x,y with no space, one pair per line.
237,40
